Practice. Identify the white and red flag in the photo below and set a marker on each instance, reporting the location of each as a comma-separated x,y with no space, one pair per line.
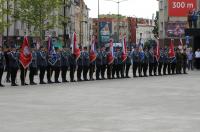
157,52
171,49
124,49
75,50
111,53
93,50
25,56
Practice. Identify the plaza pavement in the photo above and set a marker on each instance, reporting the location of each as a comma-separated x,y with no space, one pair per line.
153,104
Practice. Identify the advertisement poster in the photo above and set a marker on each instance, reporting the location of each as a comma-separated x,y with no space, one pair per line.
180,8
105,31
175,29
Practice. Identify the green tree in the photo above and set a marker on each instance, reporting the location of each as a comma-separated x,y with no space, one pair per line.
155,30
40,14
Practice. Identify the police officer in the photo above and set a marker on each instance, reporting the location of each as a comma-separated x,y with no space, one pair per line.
161,62
128,62
151,61
173,62
99,63
6,51
120,65
73,62
92,68
109,64
86,63
135,60
50,66
179,61
64,63
57,65
184,61
33,65
141,61
2,65
104,62
155,64
165,61
42,63
115,65
146,62
13,64
80,65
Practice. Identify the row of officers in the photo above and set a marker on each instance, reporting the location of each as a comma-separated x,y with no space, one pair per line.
141,60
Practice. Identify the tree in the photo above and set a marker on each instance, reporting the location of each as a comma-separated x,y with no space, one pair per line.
156,27
40,14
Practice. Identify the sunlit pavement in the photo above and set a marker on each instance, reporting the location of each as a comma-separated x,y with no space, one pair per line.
153,104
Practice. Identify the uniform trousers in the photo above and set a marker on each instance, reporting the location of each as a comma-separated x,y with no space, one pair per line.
64,73
32,73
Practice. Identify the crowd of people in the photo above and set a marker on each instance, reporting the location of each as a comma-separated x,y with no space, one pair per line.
143,61
193,18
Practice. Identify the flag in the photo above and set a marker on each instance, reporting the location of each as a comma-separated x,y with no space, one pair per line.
51,52
111,53
157,53
171,49
180,45
75,50
124,49
25,56
92,51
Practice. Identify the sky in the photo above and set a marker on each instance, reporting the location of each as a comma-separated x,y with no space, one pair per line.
138,8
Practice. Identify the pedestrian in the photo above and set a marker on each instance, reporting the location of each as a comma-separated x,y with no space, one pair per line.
146,62
184,61
190,57
141,62
86,63
135,60
104,62
194,18
6,51
190,18
57,65
33,65
161,62
151,61
80,65
197,58
99,63
73,63
42,63
128,62
165,61
64,63
2,65
13,64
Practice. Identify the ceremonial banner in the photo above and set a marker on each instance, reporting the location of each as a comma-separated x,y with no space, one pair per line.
75,50
157,54
124,49
51,52
25,56
111,53
171,49
92,51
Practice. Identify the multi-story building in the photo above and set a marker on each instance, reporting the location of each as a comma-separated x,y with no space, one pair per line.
173,19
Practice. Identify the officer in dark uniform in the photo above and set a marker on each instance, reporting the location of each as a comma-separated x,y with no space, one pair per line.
155,64
146,62
92,68
57,65
141,62
2,65
72,60
135,60
80,65
184,61
151,61
13,64
128,62
161,62
50,67
173,62
104,62
33,65
109,64
42,63
120,65
99,63
86,63
64,63
179,61
165,61
6,51
115,65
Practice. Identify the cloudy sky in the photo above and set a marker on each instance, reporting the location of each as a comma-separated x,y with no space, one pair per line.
139,8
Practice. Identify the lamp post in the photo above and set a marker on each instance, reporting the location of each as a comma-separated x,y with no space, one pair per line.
118,3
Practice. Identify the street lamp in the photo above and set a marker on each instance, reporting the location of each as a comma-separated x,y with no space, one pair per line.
118,2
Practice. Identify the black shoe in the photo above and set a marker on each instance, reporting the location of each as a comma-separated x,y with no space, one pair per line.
33,83
134,76
43,83
64,81
50,82
72,81
14,84
1,85
24,84
57,82
8,81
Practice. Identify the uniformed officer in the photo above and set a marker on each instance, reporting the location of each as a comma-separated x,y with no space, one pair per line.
155,64
50,67
64,63
86,63
92,67
115,65
151,61
120,65
73,62
161,62
141,61
109,64
33,65
165,61
57,65
173,62
184,61
135,60
13,64
42,63
104,62
80,65
128,62
179,61
146,62
2,65
6,51
99,63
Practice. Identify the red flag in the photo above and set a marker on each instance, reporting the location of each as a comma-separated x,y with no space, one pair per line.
75,50
124,53
157,54
92,51
110,56
171,49
25,56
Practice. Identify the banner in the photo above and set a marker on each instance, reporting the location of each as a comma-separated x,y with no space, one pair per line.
93,50
75,50
180,8
110,56
124,49
171,49
105,31
175,29
25,56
